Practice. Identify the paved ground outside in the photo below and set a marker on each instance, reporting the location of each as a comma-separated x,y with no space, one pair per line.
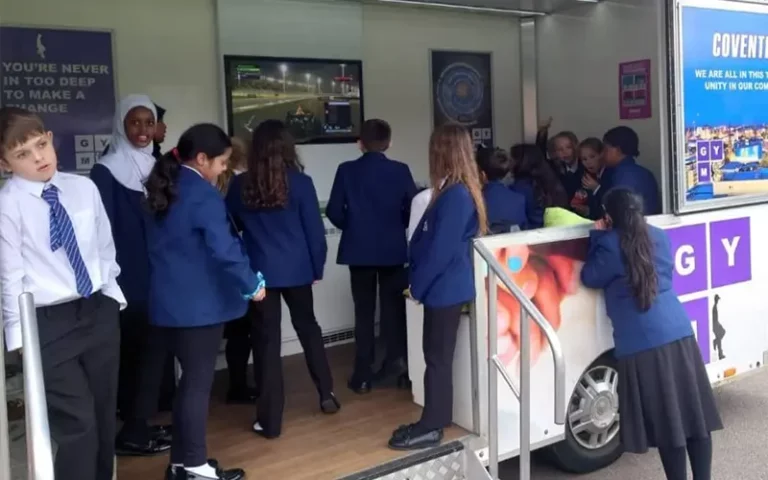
740,451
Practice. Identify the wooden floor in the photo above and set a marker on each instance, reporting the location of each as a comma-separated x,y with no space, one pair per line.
313,446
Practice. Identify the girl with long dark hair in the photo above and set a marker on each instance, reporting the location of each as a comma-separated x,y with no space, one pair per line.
276,206
200,279
535,179
666,397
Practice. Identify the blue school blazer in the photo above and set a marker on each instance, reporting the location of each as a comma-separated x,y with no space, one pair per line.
571,180
287,245
199,272
630,175
370,203
128,215
635,331
440,250
533,211
505,207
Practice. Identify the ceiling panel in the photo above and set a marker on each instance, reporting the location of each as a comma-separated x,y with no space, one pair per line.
534,6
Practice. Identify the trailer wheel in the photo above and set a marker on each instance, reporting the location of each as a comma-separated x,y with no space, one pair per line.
592,421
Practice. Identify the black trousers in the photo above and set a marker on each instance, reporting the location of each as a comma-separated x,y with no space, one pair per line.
268,338
238,350
79,348
391,282
441,327
147,378
197,349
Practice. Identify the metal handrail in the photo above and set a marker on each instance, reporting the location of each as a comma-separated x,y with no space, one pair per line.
5,443
39,453
527,309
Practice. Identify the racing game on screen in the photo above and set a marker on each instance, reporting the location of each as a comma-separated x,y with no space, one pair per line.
318,100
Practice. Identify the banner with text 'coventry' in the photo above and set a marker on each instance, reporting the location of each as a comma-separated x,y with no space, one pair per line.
725,92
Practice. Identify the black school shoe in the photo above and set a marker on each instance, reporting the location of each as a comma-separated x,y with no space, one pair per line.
360,387
179,473
412,437
128,444
330,405
150,448
246,396
161,432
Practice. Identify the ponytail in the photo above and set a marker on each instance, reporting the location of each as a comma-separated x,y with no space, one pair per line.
161,183
626,211
205,138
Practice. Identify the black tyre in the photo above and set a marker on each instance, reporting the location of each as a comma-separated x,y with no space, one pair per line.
592,421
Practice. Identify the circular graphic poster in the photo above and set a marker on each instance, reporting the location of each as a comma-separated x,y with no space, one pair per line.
461,92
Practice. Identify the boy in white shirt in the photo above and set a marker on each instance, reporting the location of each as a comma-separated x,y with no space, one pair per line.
56,243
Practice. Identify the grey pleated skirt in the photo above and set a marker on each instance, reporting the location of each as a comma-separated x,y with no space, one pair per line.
665,397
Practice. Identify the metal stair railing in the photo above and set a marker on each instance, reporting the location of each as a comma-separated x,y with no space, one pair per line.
528,311
5,443
39,453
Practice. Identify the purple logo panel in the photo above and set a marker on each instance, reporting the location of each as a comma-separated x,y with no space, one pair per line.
698,313
689,250
702,150
731,252
704,170
716,150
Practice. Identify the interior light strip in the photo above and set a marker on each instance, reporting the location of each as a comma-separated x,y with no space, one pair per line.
422,3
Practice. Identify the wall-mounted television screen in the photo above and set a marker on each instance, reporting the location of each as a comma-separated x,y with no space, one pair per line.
320,101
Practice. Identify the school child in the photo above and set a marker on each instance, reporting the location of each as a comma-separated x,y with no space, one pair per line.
370,201
505,207
276,205
56,243
591,159
564,151
238,332
535,180
120,177
441,276
620,148
160,130
666,398
200,278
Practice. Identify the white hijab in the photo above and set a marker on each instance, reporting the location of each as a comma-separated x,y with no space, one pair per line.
129,165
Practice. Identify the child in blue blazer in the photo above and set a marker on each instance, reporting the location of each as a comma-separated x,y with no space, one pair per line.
506,208
535,180
666,397
621,147
441,275
200,278
120,176
275,204
370,203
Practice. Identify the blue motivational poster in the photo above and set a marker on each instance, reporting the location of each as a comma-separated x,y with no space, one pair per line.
67,77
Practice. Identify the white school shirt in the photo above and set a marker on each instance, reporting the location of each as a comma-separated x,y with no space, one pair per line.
419,206
27,263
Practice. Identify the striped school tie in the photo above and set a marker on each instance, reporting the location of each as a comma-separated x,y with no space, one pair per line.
63,235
